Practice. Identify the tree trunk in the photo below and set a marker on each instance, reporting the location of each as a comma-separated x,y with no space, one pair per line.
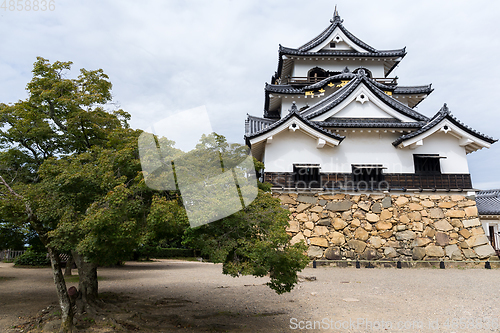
87,285
69,265
62,292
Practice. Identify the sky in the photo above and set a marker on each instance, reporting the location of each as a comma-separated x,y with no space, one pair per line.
163,57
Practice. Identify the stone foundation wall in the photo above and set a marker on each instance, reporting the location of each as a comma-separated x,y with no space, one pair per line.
387,227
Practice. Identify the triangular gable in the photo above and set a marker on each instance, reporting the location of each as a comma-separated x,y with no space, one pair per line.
341,42
292,122
361,90
445,122
337,33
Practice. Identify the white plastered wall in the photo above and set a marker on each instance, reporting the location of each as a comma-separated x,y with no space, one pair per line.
302,67
288,148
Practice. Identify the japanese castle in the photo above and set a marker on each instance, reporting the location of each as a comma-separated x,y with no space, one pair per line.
335,119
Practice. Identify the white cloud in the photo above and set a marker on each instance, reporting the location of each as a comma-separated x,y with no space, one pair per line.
164,56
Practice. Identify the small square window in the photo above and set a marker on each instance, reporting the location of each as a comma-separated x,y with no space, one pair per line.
427,163
369,175
333,45
307,175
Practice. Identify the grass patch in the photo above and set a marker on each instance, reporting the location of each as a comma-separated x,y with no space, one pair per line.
76,278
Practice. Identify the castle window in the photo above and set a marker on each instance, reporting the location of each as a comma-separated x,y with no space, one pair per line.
306,175
367,175
428,163
333,45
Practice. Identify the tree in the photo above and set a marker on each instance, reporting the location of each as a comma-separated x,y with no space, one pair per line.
71,171
60,117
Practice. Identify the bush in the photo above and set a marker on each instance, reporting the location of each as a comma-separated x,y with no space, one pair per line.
30,258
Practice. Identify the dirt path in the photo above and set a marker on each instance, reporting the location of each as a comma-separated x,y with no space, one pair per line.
176,296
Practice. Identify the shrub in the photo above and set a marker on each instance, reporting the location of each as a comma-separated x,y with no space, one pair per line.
30,258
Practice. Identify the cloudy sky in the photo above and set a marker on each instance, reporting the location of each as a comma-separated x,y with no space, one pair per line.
167,56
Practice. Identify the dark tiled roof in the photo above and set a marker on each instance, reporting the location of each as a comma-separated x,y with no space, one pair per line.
293,113
283,89
337,97
427,89
385,53
488,202
368,123
444,113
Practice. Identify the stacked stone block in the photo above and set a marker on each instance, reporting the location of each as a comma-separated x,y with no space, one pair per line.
387,227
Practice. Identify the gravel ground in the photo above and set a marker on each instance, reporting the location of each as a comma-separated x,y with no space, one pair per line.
178,296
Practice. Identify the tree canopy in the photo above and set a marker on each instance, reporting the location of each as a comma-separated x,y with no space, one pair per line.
70,169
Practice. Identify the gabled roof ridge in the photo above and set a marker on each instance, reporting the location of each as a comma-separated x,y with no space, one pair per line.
295,112
379,53
335,22
443,113
331,101
334,99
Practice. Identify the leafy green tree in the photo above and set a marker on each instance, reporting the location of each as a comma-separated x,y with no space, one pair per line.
60,117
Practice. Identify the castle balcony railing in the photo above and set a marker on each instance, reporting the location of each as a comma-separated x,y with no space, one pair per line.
388,182
305,80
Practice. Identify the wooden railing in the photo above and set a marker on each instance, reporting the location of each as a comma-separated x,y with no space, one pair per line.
390,181
310,80
10,254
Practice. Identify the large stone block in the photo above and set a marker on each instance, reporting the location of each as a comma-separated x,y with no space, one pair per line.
429,232
427,203
375,241
320,230
365,205
297,238
443,225
469,253
315,252
434,251
339,206
390,252
302,217
447,204
361,234
293,226
309,199
339,224
337,238
370,254
316,209
324,222
450,249
385,214
471,223
333,253
386,202
377,207
484,251
401,201
455,213
357,245
302,207
418,253
319,241
405,235
420,242
285,199
414,206
383,225
372,217
442,239
436,213
477,240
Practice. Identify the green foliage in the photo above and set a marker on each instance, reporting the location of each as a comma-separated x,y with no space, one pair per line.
12,236
253,242
31,258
